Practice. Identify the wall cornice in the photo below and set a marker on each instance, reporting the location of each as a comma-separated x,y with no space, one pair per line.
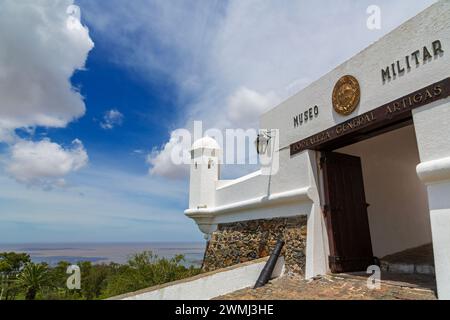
208,218
434,171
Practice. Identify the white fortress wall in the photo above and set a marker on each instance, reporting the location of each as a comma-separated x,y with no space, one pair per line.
209,285
294,189
430,26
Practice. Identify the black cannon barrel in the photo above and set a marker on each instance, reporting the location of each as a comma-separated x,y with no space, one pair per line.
267,271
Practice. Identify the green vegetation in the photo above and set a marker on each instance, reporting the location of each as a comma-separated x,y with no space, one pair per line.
21,279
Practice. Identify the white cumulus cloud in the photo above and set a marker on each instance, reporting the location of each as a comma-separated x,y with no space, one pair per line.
245,105
45,163
111,119
161,161
42,43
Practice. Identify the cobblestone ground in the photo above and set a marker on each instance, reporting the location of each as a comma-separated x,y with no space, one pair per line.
340,287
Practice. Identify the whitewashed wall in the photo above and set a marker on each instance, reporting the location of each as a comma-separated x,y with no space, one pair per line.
208,286
432,124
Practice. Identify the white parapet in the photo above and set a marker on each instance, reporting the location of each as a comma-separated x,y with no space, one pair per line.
208,285
208,218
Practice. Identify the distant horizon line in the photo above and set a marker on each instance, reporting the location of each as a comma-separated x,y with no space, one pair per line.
96,242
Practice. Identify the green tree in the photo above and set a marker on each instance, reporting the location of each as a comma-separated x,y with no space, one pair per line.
34,278
10,265
93,279
39,281
144,270
12,262
58,290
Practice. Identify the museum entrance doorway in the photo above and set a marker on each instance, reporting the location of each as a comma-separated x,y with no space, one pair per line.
373,202
372,199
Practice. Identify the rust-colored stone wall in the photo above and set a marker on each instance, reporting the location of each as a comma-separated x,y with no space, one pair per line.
239,242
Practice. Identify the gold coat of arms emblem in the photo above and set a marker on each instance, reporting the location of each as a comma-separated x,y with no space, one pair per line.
346,95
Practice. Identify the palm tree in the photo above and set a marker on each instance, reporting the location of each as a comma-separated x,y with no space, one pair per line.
33,278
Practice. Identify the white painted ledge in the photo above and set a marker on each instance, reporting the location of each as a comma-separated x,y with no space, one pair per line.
208,285
434,171
297,195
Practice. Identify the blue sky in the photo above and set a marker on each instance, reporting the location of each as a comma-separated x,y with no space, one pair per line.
86,113
147,111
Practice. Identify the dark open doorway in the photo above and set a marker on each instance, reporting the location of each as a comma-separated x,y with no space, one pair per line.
398,215
344,200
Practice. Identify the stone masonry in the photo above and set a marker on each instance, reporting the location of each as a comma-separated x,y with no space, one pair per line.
239,242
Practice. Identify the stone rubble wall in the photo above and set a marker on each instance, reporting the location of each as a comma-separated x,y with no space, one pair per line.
239,242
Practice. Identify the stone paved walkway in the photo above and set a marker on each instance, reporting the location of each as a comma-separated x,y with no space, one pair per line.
340,287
